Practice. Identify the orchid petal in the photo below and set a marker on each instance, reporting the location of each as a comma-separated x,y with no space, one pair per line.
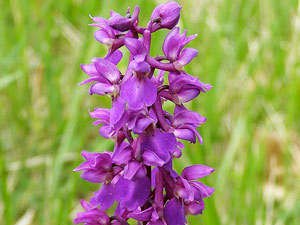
196,172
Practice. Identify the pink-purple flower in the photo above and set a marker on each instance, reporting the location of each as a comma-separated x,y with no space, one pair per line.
137,177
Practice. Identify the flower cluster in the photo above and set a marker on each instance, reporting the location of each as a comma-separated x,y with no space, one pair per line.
138,174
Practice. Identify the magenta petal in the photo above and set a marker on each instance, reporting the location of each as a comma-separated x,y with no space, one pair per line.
90,156
93,216
205,190
130,169
132,194
168,15
140,67
185,134
105,197
174,212
149,91
103,37
98,160
156,12
188,117
82,166
89,69
195,208
118,212
100,113
87,206
188,94
103,161
138,92
107,70
195,132
187,55
136,47
117,110
151,159
196,172
92,79
171,44
119,22
143,215
105,131
142,124
189,39
122,154
114,57
103,23
94,176
101,88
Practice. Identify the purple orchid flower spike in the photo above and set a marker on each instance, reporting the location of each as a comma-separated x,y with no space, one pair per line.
137,178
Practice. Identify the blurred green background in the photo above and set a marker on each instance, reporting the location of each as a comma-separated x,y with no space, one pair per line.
248,50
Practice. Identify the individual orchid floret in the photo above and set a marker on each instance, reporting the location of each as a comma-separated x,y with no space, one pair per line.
106,76
185,123
90,69
139,52
110,75
108,130
97,168
188,194
165,16
140,120
138,90
106,34
190,190
184,88
173,45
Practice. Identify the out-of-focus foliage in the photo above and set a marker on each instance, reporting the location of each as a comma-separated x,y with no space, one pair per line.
248,50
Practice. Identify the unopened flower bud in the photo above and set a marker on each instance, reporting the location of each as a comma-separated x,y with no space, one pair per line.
166,15
119,22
